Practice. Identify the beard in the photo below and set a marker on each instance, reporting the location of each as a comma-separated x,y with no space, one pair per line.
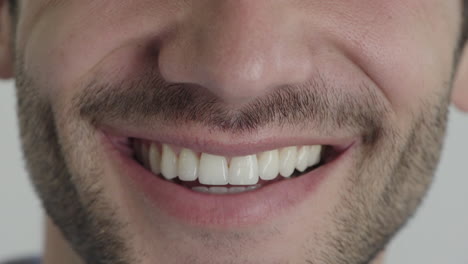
391,173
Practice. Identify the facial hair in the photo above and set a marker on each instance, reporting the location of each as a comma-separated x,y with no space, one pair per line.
393,171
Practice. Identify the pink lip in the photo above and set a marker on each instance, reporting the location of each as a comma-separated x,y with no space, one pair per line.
227,210
236,147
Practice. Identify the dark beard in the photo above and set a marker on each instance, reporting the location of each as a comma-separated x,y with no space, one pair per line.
371,210
93,236
385,205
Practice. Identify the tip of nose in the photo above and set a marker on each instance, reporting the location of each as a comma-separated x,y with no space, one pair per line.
234,64
241,81
235,82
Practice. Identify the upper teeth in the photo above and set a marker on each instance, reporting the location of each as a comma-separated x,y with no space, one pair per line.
212,169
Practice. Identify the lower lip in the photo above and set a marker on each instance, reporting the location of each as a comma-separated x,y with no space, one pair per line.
222,210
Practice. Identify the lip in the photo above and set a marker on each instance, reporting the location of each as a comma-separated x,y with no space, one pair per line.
227,210
237,146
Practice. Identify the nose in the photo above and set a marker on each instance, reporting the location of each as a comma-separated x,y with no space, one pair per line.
237,49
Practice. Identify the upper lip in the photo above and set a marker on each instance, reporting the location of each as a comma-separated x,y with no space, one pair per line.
223,144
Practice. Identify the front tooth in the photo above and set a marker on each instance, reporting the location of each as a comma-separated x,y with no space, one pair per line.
302,158
314,155
243,170
187,165
212,170
168,163
268,167
287,157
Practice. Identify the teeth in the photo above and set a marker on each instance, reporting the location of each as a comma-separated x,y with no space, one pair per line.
314,155
218,190
213,170
237,189
302,158
154,159
188,165
168,163
287,157
243,170
268,164
200,189
252,187
224,190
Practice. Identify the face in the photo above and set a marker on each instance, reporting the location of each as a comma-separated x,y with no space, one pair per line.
233,131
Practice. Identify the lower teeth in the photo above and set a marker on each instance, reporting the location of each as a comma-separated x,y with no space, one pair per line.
224,190
229,189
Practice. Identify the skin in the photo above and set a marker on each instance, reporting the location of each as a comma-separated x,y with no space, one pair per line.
398,55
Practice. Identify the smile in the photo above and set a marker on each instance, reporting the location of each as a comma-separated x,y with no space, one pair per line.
216,174
213,184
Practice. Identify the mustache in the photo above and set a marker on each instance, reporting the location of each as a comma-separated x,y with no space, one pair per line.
149,98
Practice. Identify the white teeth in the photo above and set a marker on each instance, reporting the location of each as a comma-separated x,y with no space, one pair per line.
243,170
188,165
218,190
314,155
168,163
268,165
224,190
287,157
302,158
200,189
213,170
237,189
154,159
252,187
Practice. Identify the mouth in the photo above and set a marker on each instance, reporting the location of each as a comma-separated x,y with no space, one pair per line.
218,174
227,186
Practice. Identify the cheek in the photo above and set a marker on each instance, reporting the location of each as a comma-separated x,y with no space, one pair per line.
64,44
407,71
407,50
51,54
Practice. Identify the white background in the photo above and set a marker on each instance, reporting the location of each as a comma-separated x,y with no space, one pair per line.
437,235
